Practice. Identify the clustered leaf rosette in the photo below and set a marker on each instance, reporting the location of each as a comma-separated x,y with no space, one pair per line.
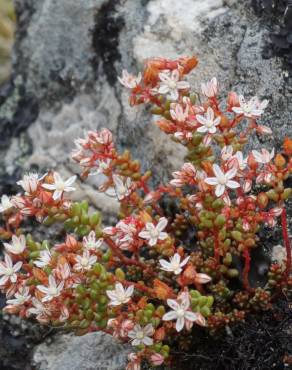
179,256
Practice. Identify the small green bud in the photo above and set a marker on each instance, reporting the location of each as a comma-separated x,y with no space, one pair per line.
205,311
236,235
120,274
203,301
210,301
227,260
84,324
233,273
220,221
95,218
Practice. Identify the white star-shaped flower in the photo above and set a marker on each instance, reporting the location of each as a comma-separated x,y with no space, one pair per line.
8,270
178,113
263,157
44,259
141,335
60,186
154,233
40,310
5,203
121,189
120,295
252,108
128,80
208,121
181,312
51,291
17,246
222,180
30,182
85,262
170,84
20,297
174,265
90,241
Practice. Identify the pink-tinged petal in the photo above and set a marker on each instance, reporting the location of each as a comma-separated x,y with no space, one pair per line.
171,315
3,280
191,316
232,184
218,172
8,260
174,94
173,304
185,261
219,190
152,242
13,278
162,224
42,289
57,194
69,188
144,234
180,322
17,266
200,320
211,181
57,177
148,329
163,89
202,278
163,236
183,85
136,342
166,265
202,129
201,119
130,290
210,114
71,180
212,130
147,341
231,173
163,77
257,156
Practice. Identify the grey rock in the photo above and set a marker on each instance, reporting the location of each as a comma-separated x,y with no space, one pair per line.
94,351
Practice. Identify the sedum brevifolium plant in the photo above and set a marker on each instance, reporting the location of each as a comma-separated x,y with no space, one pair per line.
180,255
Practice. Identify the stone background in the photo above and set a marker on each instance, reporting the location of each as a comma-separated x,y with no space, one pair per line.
66,59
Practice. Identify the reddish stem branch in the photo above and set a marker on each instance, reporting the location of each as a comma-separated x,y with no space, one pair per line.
246,269
123,258
286,242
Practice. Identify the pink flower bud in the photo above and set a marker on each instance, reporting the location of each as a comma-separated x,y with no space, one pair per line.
157,359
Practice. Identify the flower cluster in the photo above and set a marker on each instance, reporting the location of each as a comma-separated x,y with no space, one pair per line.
179,256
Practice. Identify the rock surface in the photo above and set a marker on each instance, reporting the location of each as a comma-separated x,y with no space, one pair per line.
67,57
94,351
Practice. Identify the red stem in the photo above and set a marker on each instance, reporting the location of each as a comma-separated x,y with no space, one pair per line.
246,269
123,258
286,242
